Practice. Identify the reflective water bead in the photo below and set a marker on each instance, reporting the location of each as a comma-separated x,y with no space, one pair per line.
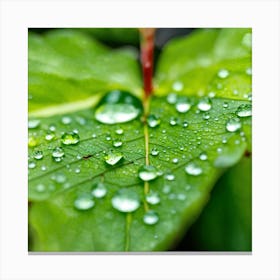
38,155
205,104
99,190
117,143
185,124
175,160
126,200
50,136
118,107
32,141
178,86
244,110
119,131
66,120
203,156
70,138
233,125
153,121
169,177
58,152
223,73
153,198
150,217
193,169
183,105
173,121
147,173
113,157
154,152
33,123
40,188
84,202
172,98
31,165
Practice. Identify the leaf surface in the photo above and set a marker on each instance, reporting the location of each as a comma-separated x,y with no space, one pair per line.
184,180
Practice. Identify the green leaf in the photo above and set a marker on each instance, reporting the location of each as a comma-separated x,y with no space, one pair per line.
226,222
190,151
69,68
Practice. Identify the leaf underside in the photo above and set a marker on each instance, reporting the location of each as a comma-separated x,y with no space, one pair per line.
55,223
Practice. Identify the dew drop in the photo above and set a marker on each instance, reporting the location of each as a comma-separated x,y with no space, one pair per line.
249,71
244,110
117,143
50,136
58,153
166,189
147,173
223,73
84,202
151,218
31,165
70,138
183,105
153,121
40,188
172,98
193,169
99,190
126,200
33,123
77,170
38,155
233,125
153,198
177,86
204,104
225,105
154,152
173,121
247,40
118,107
66,120
203,156
119,131
169,177
113,157
175,160
32,141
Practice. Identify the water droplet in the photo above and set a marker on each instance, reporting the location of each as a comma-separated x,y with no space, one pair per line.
84,202
247,40
169,177
183,105
211,94
175,160
151,218
33,123
66,120
154,152
77,170
59,178
58,153
43,168
32,141
93,135
173,121
113,157
153,121
244,110
119,131
181,196
193,169
31,165
153,198
166,189
40,188
117,143
70,138
249,71
126,200
223,73
118,107
38,155
81,120
147,173
177,86
233,125
203,156
172,98
204,104
50,136
225,105
99,190
185,124
206,116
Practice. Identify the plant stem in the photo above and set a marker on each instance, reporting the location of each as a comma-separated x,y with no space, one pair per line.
147,56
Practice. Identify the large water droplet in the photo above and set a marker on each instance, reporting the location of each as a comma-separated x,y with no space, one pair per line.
99,190
70,138
193,169
233,125
183,105
244,110
223,73
58,152
151,218
33,123
153,121
117,143
84,202
204,104
118,107
113,157
147,173
38,155
126,200
153,198
154,152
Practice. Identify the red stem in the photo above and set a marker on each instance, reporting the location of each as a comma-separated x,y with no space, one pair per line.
147,55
